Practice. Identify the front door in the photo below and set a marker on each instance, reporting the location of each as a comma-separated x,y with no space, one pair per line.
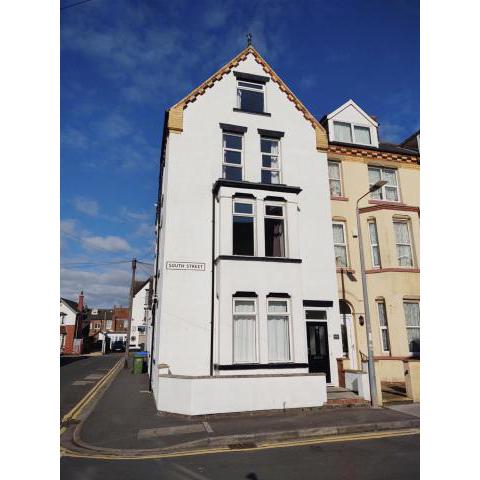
318,355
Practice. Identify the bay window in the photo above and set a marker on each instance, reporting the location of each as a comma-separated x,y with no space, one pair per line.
244,330
278,321
372,226
403,243
382,319
412,320
243,228
274,230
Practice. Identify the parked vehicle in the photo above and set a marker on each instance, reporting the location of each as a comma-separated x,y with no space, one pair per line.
118,346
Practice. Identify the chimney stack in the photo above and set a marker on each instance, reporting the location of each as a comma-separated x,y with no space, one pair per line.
80,302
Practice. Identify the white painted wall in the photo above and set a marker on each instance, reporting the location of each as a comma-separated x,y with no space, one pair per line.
70,314
357,381
209,395
193,164
139,316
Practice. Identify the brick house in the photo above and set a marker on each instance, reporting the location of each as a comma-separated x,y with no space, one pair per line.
73,327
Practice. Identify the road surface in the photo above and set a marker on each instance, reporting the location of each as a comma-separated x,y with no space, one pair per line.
394,458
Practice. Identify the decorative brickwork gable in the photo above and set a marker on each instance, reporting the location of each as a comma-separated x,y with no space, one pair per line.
175,113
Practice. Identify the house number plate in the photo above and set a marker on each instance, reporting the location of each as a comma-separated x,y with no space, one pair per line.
199,267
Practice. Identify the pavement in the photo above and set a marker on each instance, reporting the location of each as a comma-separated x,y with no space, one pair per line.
395,458
78,374
124,420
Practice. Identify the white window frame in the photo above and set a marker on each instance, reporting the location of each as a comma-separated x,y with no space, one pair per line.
251,215
408,327
289,329
255,316
279,158
381,191
283,217
373,245
410,244
339,179
235,165
352,132
244,87
344,228
383,327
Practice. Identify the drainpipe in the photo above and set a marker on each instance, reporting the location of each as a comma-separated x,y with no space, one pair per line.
212,307
157,214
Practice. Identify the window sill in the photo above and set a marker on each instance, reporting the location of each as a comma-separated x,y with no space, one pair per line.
258,259
260,366
339,199
399,269
386,202
265,114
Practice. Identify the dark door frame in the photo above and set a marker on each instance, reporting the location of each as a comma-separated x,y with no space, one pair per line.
323,323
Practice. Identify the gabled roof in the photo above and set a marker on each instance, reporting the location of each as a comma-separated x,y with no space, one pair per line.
73,305
351,103
175,113
138,285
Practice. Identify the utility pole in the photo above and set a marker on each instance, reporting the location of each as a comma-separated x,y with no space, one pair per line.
127,344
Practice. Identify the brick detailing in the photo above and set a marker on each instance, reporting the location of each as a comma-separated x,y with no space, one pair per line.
69,336
358,154
176,124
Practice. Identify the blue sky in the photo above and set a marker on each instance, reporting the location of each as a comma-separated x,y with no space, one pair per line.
124,62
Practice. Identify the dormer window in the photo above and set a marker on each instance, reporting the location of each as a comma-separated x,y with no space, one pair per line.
348,133
362,135
343,132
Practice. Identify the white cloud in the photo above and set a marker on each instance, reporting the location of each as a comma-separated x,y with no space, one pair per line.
132,215
114,126
109,243
101,288
86,205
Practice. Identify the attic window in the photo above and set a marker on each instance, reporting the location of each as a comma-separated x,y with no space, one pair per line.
348,133
250,96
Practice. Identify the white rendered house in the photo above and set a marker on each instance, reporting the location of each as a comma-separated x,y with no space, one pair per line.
140,314
245,298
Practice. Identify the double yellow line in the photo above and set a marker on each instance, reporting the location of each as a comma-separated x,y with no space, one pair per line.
75,411
265,446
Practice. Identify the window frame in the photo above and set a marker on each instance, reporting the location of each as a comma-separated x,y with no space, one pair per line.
287,314
271,203
243,87
417,302
407,222
381,191
279,157
352,132
255,315
372,245
345,244
249,215
339,179
383,327
224,148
